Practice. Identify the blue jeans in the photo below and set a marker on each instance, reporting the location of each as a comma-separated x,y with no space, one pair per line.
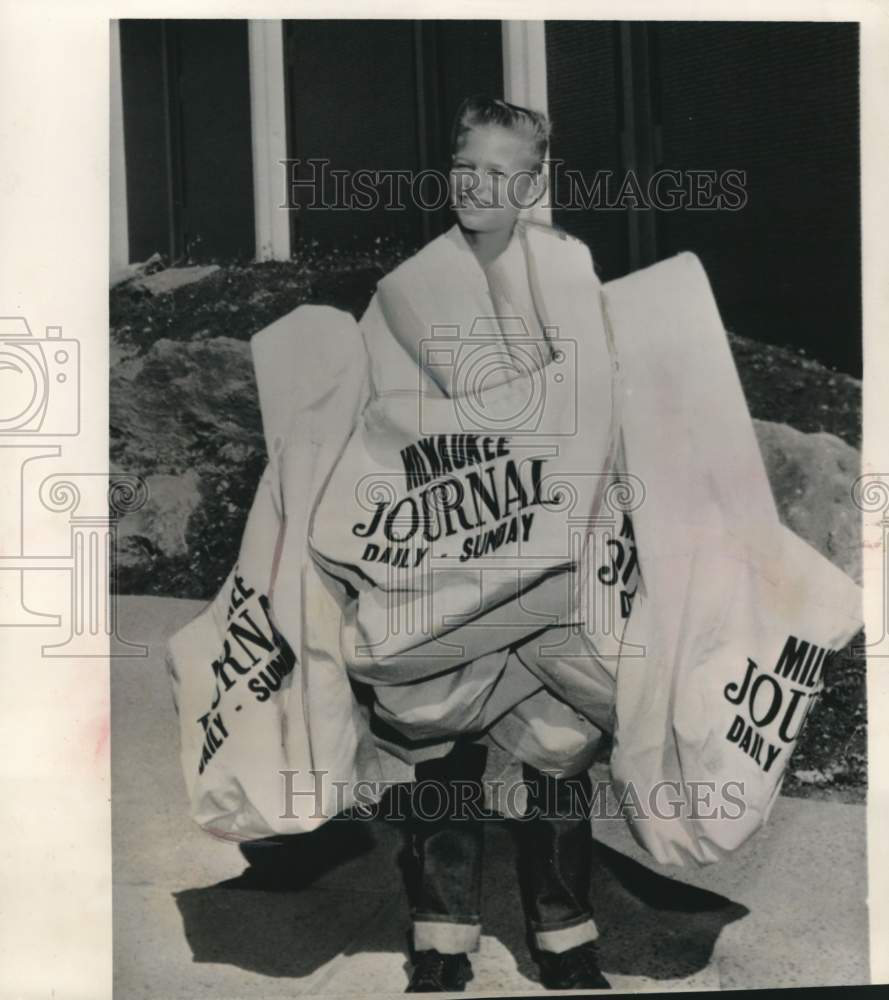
444,875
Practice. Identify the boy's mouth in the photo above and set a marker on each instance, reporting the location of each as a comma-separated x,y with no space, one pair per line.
466,205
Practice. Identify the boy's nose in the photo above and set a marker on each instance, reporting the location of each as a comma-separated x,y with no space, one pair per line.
471,194
485,189
479,188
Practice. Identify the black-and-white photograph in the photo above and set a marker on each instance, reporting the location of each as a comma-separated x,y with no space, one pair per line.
486,412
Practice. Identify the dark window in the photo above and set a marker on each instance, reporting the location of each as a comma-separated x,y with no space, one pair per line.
186,92
584,105
379,96
778,101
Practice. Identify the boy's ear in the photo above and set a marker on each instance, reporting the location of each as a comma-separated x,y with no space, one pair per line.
536,189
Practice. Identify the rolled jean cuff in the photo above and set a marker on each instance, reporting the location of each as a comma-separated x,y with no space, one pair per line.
447,936
559,939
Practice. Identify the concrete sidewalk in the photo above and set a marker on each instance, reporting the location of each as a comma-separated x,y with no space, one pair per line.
325,913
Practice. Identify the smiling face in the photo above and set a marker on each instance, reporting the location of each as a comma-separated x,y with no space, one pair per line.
494,174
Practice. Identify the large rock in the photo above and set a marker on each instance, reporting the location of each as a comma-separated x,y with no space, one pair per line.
164,282
811,477
161,524
183,405
185,416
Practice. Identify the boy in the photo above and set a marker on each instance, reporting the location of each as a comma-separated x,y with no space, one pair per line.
498,151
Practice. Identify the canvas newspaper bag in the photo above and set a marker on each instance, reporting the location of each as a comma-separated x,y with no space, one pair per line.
724,587
740,618
257,721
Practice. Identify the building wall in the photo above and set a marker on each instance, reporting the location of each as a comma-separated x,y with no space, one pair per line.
145,136
778,101
584,104
186,99
379,96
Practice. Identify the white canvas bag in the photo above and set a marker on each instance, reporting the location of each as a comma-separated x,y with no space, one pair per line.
259,667
738,617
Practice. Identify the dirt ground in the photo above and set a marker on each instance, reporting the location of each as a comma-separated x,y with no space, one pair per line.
780,385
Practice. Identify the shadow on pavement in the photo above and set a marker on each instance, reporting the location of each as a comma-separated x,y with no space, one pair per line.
269,919
653,925
275,920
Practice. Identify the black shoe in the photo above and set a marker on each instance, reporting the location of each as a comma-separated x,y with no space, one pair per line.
575,969
438,973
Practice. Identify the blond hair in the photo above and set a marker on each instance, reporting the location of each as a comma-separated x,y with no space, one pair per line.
483,110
